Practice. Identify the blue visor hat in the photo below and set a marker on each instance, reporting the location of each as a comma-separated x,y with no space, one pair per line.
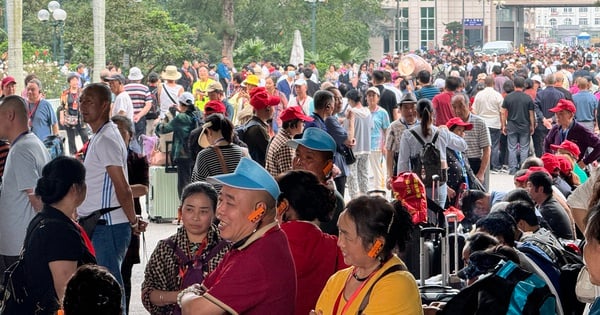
315,139
248,175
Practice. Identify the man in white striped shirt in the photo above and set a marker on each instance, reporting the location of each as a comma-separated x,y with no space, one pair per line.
140,98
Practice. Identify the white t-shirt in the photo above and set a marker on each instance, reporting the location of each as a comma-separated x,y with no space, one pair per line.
123,103
106,148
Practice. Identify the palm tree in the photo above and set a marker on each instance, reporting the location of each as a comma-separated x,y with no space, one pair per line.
99,15
14,10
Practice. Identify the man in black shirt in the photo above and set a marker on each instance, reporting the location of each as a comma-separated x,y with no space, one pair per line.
387,100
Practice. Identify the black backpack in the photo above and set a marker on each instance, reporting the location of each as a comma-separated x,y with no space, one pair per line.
240,130
154,110
427,163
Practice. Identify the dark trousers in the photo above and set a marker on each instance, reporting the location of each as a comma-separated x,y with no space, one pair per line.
184,172
79,130
538,139
132,257
340,184
503,148
495,156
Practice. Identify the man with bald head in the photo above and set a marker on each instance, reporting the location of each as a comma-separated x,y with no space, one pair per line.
559,84
24,163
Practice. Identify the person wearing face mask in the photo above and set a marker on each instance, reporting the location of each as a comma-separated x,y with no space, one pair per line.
286,84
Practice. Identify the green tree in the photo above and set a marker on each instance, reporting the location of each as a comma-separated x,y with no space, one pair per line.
453,36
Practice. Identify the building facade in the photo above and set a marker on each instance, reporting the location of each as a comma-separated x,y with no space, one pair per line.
421,24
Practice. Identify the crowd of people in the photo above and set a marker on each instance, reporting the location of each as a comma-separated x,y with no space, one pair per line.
266,159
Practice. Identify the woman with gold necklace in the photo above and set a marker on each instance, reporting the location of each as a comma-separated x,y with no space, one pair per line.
371,229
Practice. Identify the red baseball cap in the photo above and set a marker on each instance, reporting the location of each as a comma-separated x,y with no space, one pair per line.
550,162
260,99
565,164
213,107
564,104
569,146
294,112
533,169
8,80
457,121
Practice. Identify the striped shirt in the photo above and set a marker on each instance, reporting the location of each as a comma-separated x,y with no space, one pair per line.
428,92
477,138
208,163
139,94
279,154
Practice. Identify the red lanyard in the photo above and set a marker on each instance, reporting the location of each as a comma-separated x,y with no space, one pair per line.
352,298
32,112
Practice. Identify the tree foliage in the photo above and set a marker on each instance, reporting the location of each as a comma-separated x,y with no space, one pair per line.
453,35
153,33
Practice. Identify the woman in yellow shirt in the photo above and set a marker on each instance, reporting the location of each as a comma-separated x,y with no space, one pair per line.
377,281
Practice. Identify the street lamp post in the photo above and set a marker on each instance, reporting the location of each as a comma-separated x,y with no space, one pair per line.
313,19
402,20
58,24
499,4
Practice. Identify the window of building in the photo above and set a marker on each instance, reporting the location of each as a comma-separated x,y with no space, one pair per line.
568,10
583,10
427,27
596,21
583,21
553,10
552,22
403,30
568,21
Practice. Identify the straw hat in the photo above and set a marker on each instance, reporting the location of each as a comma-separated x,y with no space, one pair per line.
171,73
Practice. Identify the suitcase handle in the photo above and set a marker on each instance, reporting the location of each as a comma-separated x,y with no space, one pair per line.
433,230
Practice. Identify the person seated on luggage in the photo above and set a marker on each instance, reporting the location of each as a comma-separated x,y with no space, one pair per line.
502,226
539,187
54,244
459,170
303,203
314,153
371,230
476,204
411,147
257,275
486,294
475,242
92,290
531,229
591,252
196,237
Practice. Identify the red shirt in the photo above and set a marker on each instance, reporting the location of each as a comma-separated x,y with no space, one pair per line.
316,257
257,277
443,108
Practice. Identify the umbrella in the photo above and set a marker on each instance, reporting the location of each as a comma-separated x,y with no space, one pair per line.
297,55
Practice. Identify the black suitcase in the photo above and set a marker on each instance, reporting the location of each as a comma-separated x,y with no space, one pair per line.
435,292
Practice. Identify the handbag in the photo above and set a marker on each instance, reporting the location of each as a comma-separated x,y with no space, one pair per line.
71,120
348,154
88,223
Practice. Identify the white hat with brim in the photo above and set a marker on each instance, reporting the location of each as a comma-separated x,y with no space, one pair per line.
171,73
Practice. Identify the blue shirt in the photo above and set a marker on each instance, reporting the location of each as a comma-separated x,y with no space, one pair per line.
381,121
42,118
223,72
586,104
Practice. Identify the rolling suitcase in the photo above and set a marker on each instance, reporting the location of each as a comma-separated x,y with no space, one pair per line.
435,292
162,195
